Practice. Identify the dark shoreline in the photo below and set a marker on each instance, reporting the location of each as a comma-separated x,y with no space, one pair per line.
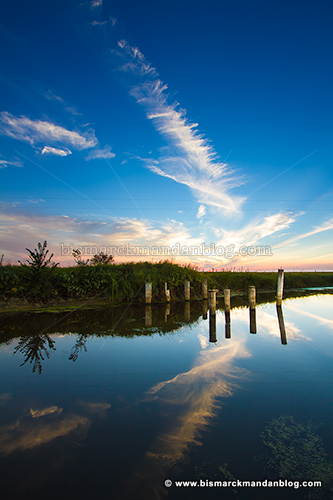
14,306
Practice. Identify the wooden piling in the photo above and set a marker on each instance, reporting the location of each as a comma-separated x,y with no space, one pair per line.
280,283
212,299
167,292
227,302
204,290
252,297
148,292
187,292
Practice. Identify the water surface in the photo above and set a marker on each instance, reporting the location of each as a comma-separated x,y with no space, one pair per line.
111,403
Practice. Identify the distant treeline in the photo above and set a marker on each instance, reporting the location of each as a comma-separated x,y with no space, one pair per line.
125,282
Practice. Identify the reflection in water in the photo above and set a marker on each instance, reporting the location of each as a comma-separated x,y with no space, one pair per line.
79,345
167,313
191,400
148,316
43,426
33,348
227,325
253,320
187,312
281,325
204,309
212,326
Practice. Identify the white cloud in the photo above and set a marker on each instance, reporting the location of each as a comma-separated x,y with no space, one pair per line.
135,61
111,20
52,97
5,163
96,3
201,211
326,226
189,159
100,153
54,151
36,131
257,230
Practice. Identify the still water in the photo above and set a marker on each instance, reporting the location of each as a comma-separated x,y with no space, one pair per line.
110,403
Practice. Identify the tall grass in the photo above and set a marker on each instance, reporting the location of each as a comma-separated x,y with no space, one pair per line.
125,282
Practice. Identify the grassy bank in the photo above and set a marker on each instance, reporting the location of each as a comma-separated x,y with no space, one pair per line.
125,282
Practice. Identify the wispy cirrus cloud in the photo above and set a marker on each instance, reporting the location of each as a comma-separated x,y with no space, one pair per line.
96,3
36,131
48,150
189,158
104,153
6,163
53,97
257,229
326,226
111,20
201,211
135,61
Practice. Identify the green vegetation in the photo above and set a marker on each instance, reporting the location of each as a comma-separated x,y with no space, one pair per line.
296,452
40,281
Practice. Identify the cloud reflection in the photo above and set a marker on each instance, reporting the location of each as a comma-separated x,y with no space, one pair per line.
192,399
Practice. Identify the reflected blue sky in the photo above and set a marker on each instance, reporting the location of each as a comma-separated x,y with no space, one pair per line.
158,406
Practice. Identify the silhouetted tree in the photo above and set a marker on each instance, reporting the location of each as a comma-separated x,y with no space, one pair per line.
101,258
77,254
38,258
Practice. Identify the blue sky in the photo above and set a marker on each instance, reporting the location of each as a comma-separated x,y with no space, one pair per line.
180,125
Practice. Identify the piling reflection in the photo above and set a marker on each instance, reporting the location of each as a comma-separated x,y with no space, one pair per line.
187,312
148,316
167,313
212,326
253,320
281,325
227,325
204,309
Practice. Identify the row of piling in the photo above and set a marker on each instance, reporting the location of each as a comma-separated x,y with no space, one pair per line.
211,294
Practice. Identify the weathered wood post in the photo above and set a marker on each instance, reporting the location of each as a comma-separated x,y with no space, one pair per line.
252,301
227,301
187,292
252,296
204,290
212,299
227,307
148,316
148,292
281,325
187,312
280,282
167,292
